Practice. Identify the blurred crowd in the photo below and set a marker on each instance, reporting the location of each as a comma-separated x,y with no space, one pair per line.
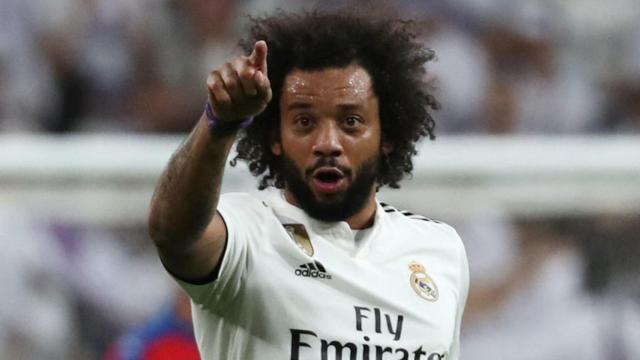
543,288
503,67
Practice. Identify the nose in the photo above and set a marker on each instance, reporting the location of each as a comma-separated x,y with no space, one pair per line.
327,141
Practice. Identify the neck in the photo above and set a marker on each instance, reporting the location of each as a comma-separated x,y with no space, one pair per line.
365,217
360,220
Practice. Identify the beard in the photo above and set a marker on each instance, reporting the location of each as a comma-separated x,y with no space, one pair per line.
344,205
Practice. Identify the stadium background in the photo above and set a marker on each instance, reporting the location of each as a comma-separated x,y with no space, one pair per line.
537,164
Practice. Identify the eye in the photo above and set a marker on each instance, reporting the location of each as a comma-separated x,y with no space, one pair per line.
303,121
352,121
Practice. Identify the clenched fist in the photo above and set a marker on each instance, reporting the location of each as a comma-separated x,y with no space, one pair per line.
241,88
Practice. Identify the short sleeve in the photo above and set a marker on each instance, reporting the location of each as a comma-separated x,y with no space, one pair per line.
244,218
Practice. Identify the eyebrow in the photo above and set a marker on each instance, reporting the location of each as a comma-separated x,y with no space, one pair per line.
351,106
299,105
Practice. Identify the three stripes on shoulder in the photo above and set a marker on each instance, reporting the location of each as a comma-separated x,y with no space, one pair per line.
390,209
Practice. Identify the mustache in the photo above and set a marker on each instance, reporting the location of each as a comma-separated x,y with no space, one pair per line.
328,161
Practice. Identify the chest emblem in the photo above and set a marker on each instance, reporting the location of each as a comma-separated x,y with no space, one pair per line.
422,283
299,235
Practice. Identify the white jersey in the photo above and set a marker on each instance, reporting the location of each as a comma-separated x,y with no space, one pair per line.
292,287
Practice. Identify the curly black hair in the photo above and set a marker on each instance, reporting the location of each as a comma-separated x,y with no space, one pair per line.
387,49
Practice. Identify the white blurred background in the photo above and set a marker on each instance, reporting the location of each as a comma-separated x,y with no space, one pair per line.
537,164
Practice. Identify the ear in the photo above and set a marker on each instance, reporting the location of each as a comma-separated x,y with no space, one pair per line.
276,143
276,148
387,147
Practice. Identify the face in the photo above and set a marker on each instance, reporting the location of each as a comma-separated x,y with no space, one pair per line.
330,141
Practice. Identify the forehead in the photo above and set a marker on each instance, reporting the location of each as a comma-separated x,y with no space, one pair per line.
350,82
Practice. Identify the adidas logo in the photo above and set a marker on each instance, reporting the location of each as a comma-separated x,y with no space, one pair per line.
312,270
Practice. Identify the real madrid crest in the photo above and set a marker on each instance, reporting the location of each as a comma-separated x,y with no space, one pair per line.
299,234
422,283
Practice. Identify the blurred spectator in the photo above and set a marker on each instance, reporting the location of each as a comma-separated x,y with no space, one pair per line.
27,84
114,276
623,109
613,264
36,311
546,312
167,335
70,88
492,252
187,40
461,74
73,65
540,94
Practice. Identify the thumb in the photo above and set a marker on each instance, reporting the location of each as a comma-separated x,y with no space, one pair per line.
258,57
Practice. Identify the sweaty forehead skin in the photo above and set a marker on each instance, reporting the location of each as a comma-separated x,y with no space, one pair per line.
351,81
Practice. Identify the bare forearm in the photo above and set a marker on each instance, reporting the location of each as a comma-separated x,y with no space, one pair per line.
190,237
188,191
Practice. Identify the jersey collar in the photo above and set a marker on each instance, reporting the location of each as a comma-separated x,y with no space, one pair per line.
339,233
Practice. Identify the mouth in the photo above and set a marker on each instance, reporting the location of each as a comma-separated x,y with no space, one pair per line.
328,180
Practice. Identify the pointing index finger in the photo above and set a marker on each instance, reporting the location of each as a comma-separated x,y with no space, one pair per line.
259,56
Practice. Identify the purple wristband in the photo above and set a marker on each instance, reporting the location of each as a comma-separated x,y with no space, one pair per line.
215,124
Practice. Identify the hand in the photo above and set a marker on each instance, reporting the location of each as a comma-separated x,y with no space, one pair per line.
241,88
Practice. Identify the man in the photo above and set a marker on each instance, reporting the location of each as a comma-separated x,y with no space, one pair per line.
168,334
321,270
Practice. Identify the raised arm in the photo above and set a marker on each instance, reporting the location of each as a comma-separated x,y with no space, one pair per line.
183,223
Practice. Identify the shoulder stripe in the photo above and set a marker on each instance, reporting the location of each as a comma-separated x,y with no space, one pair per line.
390,209
386,206
423,219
